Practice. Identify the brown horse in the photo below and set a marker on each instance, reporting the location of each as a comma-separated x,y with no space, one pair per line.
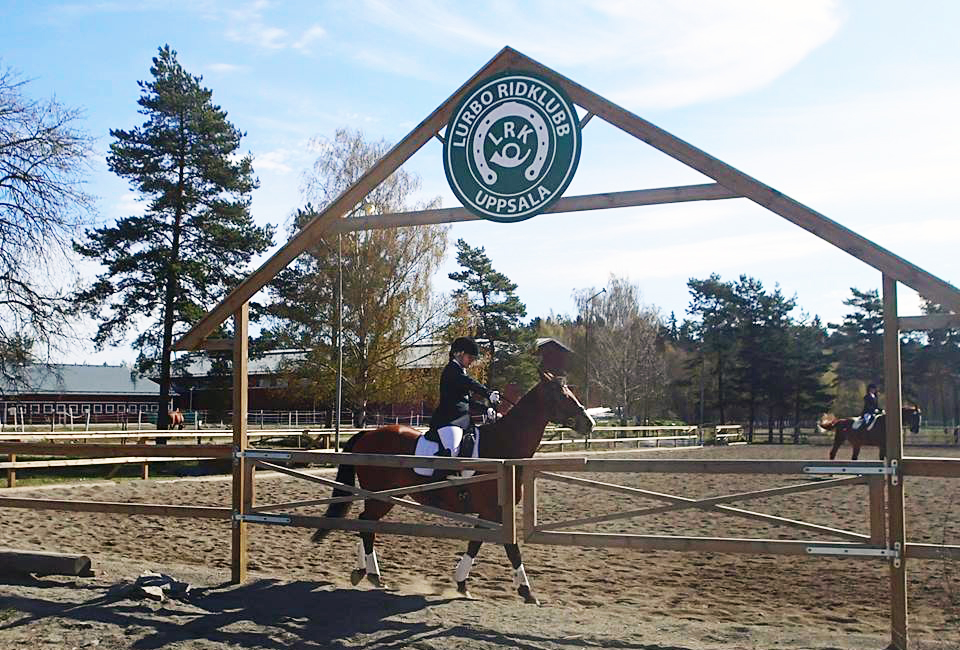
516,435
876,436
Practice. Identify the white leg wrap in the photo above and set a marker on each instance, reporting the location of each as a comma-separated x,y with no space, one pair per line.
360,556
519,577
371,564
463,569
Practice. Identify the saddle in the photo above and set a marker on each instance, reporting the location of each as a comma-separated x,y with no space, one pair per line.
429,445
869,420
466,443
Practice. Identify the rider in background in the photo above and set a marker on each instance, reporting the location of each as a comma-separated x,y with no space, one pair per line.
871,406
452,414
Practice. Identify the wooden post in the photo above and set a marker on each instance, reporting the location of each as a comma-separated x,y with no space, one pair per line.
894,432
238,562
878,512
12,473
145,471
508,502
529,475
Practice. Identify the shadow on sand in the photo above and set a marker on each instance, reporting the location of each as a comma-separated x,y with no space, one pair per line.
271,614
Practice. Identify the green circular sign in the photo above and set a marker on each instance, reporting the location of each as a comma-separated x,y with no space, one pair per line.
512,146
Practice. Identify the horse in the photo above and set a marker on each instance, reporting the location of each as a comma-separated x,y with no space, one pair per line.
516,435
876,436
176,419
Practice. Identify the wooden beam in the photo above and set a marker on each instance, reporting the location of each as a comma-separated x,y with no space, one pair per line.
211,345
633,198
379,496
84,462
156,510
933,551
696,544
895,499
238,546
847,240
929,322
87,450
928,466
878,511
43,563
347,201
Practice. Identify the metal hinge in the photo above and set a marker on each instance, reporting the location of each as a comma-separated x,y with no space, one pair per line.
849,469
854,551
262,455
262,519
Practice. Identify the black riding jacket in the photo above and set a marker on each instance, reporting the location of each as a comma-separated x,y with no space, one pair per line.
455,388
871,405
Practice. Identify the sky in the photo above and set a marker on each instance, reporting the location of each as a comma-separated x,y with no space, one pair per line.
849,107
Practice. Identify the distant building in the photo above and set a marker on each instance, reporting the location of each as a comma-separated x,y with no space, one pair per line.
105,392
555,357
200,388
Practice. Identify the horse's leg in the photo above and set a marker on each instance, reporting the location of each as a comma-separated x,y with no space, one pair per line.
837,441
367,565
856,448
462,571
520,582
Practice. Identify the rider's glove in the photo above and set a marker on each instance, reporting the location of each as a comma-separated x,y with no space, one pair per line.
491,414
494,397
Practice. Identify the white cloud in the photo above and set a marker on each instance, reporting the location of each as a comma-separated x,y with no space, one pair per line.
274,161
312,34
656,54
225,68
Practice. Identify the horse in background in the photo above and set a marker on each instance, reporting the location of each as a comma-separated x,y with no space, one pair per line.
516,435
176,419
875,436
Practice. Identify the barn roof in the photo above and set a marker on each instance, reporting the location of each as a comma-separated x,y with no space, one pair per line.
77,379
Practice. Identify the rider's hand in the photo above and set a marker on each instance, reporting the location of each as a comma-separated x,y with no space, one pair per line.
492,415
494,397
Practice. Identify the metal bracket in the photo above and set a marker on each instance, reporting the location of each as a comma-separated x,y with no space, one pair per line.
262,519
262,455
847,469
894,472
854,551
896,558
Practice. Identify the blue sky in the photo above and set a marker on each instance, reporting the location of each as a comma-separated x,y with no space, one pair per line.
847,106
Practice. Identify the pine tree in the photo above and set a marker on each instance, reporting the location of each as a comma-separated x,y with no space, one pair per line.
858,346
498,313
196,235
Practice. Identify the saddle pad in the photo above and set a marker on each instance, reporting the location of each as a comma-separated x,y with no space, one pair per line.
429,448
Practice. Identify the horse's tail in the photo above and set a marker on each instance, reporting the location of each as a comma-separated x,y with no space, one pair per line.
346,474
826,423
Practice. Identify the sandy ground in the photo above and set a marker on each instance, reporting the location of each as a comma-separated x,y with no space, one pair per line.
299,595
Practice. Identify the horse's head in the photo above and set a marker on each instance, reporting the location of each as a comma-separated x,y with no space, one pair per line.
913,415
563,407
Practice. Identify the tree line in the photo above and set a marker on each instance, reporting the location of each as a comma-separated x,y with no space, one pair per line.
361,300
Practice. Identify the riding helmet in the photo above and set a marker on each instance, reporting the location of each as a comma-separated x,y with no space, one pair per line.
465,344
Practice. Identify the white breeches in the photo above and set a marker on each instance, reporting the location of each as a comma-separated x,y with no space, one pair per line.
451,436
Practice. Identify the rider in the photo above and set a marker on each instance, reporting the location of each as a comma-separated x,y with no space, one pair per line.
871,406
452,415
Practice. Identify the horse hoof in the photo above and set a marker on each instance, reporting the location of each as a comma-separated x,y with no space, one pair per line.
528,597
374,579
463,591
356,576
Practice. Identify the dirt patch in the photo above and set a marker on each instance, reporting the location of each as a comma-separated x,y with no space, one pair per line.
299,595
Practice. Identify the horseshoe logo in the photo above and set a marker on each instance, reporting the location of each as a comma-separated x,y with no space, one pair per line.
511,146
518,110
